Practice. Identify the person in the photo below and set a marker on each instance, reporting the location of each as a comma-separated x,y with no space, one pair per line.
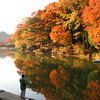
23,86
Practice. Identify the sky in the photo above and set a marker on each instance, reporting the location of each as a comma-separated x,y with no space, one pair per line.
13,11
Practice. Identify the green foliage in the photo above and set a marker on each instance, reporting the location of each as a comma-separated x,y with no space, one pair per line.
91,42
93,76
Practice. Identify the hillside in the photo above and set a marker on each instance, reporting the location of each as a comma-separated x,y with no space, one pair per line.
4,36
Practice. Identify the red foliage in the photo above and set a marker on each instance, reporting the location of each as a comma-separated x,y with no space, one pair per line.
8,54
8,39
19,26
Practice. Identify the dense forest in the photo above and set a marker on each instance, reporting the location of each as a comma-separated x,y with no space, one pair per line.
70,26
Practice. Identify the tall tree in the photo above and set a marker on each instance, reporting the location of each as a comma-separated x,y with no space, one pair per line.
70,16
91,18
33,32
48,17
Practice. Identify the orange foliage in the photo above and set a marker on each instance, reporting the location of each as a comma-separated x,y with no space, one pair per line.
37,63
49,16
38,14
75,46
59,78
43,91
91,16
20,72
19,26
29,63
60,34
32,14
74,66
15,64
92,92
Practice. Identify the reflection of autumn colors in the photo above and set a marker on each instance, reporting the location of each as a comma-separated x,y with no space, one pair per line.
59,78
92,92
56,78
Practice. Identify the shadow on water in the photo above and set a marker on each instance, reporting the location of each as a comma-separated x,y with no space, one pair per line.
60,78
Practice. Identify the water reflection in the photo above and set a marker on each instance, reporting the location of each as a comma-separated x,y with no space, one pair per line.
60,78
3,55
9,79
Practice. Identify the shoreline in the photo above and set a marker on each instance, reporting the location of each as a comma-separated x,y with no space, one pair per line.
4,95
7,48
38,51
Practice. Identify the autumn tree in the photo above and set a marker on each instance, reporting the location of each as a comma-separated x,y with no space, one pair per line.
48,17
70,16
91,19
60,21
19,43
60,34
10,41
30,32
34,31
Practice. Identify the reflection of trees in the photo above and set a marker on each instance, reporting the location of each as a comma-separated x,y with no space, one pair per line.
92,92
3,54
59,77
56,78
93,76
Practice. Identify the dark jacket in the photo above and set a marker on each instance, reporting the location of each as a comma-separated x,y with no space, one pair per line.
22,84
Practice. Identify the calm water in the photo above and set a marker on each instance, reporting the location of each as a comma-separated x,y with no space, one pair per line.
52,78
9,78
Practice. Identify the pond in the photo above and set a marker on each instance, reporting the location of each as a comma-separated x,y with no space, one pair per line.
50,77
